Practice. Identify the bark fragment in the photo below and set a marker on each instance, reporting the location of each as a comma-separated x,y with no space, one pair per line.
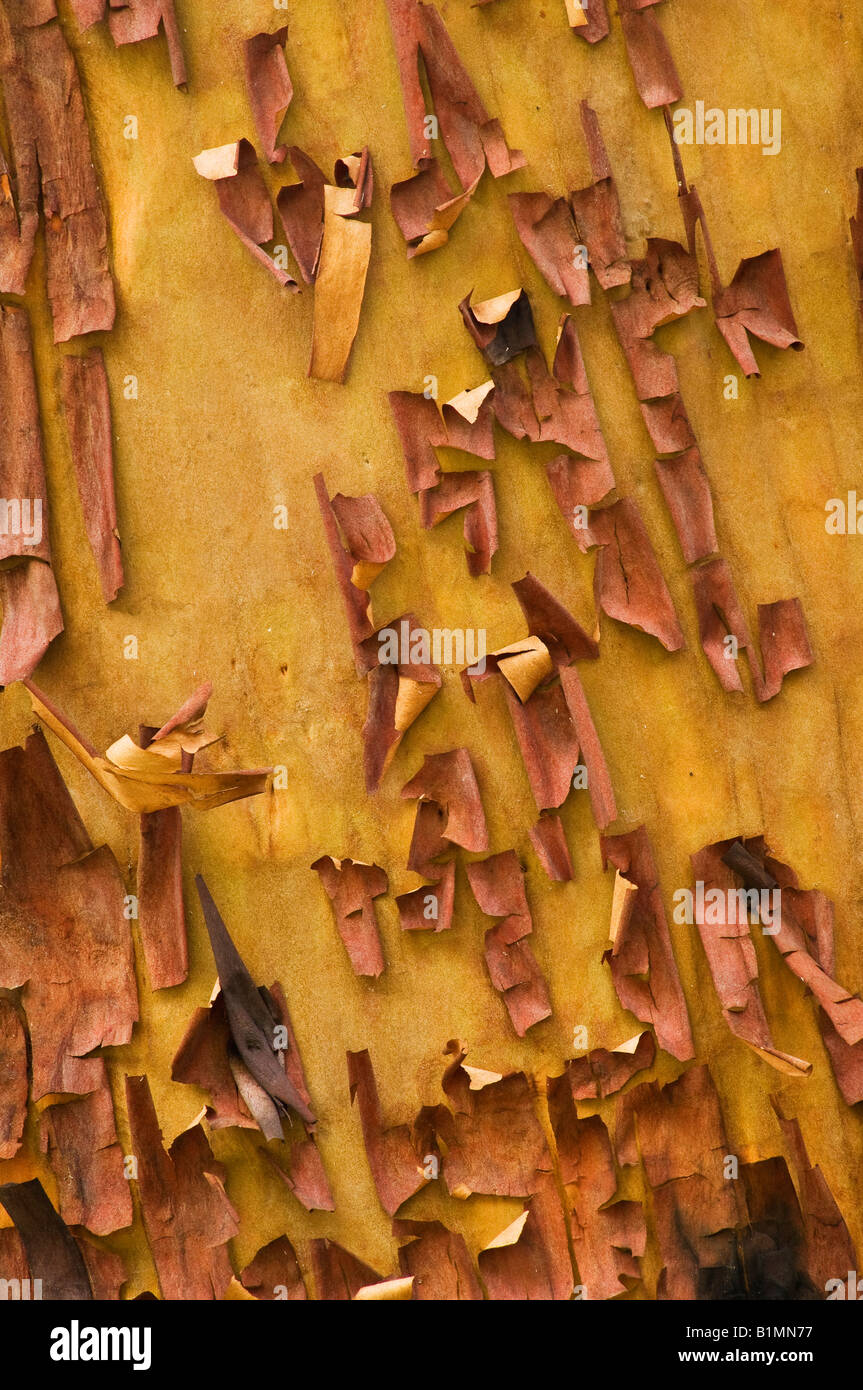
394,1160
269,88
351,888
65,940
641,959
14,1078
51,1253
80,1139
274,1273
53,167
28,589
131,21
497,884
187,1215
88,419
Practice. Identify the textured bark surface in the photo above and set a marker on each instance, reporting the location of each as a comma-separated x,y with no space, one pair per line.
217,435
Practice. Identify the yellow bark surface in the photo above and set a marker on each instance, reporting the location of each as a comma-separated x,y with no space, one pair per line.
227,426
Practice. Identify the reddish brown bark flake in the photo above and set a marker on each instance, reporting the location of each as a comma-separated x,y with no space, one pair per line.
497,884
88,419
53,165
274,1273
394,1160
65,940
641,959
270,89
351,888
187,1216
80,1139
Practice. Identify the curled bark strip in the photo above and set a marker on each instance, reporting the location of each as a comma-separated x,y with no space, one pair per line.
359,553
301,208
548,742
106,1273
782,631
497,883
438,1261
422,428
756,302
473,140
449,813
202,1059
588,19
187,1216
549,840
600,790
664,288
351,888
530,1259
88,419
395,1162
269,87
733,963
339,288
649,56
501,327
253,1020
429,907
721,616
425,209
447,783
562,402
627,582
398,694
474,493
131,21
25,531
551,717
152,778
829,1247
161,914
844,1010
784,643
547,618
773,1245
243,199
52,1255
31,618
641,959
306,1177
813,911
668,424
550,237
597,211
207,1057
578,483
530,402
